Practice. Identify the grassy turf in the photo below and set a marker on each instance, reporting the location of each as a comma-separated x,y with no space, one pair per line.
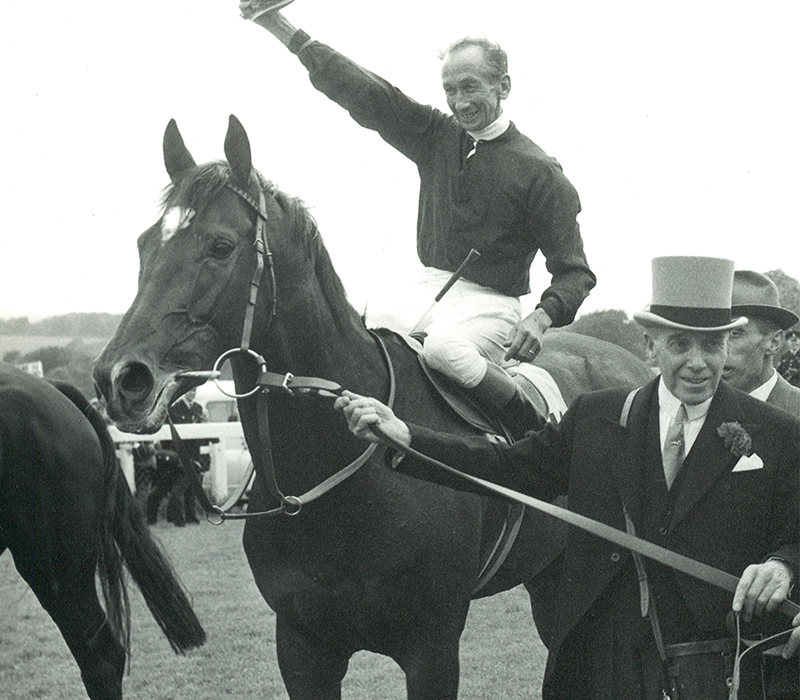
501,656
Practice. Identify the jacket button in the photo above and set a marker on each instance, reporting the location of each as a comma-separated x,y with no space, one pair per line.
662,531
615,557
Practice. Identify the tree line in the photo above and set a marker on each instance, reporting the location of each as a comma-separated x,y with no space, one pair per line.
74,325
73,362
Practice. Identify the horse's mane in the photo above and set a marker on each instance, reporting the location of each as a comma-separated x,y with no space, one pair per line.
199,185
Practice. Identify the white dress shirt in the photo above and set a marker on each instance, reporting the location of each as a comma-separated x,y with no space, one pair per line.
762,392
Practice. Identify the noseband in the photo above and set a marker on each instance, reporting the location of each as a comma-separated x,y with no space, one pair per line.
261,455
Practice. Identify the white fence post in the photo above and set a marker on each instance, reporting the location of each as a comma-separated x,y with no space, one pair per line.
219,472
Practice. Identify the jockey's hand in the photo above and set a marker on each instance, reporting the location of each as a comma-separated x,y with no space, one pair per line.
762,587
793,645
362,413
525,340
274,21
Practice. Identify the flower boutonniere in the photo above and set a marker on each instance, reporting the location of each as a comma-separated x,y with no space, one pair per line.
736,439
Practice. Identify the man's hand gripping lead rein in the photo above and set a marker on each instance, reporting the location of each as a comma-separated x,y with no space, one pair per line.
364,415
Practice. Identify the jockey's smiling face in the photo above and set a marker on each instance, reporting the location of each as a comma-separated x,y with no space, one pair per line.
473,94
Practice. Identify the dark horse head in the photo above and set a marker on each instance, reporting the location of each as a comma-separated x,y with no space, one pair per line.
196,275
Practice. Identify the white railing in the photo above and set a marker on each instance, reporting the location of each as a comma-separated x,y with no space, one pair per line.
218,433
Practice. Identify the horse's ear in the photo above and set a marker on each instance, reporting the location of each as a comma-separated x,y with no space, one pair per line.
177,158
237,151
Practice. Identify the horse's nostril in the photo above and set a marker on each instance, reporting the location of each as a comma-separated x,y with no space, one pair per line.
135,380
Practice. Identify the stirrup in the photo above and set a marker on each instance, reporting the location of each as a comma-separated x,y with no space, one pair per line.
256,8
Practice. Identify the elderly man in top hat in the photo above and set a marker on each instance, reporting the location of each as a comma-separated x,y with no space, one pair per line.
686,462
752,348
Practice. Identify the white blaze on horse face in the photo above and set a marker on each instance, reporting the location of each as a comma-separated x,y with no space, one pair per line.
174,219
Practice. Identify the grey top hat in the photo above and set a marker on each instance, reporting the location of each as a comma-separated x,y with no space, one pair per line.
755,294
691,293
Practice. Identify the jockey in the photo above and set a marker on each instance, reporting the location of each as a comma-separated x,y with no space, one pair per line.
483,186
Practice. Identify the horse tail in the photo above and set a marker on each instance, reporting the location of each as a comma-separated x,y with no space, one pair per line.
125,536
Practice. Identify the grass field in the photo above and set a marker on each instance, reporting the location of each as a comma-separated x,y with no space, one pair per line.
501,656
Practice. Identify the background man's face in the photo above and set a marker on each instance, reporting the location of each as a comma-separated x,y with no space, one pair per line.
747,356
690,361
473,95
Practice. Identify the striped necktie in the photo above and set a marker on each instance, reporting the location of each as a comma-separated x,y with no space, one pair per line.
674,446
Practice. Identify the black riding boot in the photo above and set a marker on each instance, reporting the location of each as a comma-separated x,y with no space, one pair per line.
502,397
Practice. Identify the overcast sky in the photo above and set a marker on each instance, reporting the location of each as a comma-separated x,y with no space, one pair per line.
676,122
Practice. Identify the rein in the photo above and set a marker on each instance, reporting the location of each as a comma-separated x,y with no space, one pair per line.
679,562
261,456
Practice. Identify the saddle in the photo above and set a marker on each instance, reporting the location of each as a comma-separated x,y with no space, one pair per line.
502,521
537,385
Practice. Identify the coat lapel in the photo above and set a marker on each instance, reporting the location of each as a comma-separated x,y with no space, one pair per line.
709,458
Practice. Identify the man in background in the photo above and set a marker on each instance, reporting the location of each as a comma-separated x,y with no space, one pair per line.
789,365
752,349
170,477
750,367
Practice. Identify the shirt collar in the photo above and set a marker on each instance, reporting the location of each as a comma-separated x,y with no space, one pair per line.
762,392
669,403
496,128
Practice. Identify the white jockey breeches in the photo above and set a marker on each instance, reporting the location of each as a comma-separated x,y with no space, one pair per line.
467,327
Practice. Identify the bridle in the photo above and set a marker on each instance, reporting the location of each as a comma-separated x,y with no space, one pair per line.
261,453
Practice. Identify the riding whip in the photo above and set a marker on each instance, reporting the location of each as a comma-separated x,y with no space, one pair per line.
472,255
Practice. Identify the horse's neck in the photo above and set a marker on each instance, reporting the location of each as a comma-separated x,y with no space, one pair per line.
319,336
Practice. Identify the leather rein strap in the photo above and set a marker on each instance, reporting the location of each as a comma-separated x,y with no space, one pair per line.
679,562
262,454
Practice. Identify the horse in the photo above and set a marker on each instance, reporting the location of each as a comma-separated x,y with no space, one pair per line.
67,515
381,562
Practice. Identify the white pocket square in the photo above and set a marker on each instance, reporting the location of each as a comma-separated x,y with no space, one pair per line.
745,463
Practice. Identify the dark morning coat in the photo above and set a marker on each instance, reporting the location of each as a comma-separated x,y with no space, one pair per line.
724,518
784,676
785,396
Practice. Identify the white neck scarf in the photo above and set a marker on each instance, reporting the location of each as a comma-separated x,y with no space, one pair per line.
497,127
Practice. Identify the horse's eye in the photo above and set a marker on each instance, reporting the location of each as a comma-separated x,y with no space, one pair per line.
221,249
